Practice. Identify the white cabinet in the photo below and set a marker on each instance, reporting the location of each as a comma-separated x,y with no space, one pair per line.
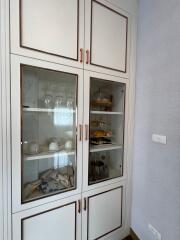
106,38
69,119
51,30
54,31
59,220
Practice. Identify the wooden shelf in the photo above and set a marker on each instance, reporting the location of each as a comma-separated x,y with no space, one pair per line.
44,155
47,110
106,113
105,147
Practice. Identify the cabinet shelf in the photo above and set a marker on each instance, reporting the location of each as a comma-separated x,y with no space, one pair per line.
116,175
47,110
106,113
105,147
45,155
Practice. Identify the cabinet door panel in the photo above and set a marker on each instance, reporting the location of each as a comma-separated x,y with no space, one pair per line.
53,25
47,112
59,222
51,30
104,213
55,220
106,37
105,145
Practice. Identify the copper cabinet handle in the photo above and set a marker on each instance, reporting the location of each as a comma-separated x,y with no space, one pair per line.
85,204
79,206
87,57
86,132
81,55
80,132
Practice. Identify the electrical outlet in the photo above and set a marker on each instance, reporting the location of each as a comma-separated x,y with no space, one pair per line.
159,139
157,235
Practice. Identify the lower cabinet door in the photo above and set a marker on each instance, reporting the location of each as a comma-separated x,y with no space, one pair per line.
59,222
104,213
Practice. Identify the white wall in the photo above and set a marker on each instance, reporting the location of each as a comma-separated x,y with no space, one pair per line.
156,180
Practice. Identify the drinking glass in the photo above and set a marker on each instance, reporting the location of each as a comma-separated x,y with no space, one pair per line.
58,103
70,103
48,101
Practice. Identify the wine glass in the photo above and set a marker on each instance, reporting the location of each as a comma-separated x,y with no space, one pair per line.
58,102
70,103
48,100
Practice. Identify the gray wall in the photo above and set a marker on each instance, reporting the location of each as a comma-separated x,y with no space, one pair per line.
156,174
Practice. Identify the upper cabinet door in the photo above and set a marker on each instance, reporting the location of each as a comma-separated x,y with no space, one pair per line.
106,38
48,29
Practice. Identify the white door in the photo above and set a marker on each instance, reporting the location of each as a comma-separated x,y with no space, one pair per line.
60,220
106,38
102,210
105,130
48,29
47,113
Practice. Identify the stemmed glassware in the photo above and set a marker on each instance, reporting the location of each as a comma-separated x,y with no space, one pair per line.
48,101
58,103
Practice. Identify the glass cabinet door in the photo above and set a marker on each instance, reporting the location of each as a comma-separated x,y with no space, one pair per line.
106,119
48,132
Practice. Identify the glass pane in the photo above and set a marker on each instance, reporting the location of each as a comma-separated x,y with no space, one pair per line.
107,106
49,120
